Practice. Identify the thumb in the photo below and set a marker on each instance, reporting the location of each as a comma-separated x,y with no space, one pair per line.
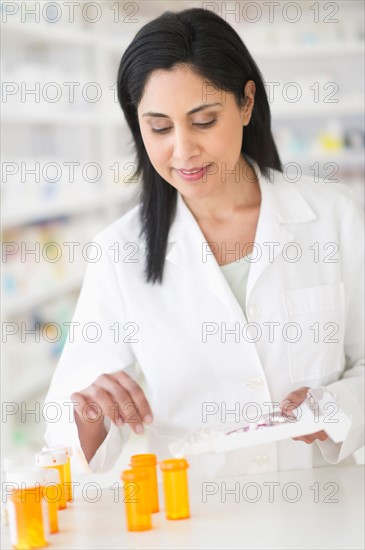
293,400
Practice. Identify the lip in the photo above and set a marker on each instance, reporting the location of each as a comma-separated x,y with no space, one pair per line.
194,177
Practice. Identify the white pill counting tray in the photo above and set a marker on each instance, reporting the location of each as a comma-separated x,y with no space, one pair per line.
308,418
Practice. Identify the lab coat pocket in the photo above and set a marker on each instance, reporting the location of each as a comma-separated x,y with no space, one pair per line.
314,332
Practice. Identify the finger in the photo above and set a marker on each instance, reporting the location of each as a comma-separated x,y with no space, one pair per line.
293,400
87,411
123,409
297,396
304,438
99,395
310,438
121,403
322,436
137,395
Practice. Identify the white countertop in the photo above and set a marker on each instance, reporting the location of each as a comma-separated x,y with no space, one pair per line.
319,508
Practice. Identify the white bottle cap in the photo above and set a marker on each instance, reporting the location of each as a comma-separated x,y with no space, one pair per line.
50,458
58,447
25,477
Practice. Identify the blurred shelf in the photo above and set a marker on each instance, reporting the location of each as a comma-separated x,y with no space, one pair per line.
322,110
342,159
13,307
64,119
48,211
28,388
57,209
311,50
47,32
50,33
57,35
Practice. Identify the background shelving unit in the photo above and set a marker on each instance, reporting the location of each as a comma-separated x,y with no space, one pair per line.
39,210
324,61
84,132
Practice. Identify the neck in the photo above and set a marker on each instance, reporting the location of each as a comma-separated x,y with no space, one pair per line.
230,199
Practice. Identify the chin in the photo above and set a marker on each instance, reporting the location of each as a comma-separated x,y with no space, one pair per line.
195,192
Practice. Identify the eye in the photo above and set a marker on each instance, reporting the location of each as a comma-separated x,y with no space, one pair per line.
200,124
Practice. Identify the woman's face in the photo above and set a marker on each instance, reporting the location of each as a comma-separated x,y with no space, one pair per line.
210,137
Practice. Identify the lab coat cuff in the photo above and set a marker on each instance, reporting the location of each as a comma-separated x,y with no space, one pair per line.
108,452
336,452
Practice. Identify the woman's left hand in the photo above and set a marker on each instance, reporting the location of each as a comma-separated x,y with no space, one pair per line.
292,401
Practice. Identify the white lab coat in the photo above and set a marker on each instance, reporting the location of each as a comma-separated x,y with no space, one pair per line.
175,336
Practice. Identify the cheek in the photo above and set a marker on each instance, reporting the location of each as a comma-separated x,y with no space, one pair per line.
156,150
232,145
227,143
234,136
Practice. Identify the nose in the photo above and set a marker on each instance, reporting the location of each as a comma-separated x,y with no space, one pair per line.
185,144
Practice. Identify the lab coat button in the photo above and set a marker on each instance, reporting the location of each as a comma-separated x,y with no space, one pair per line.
253,311
261,460
256,383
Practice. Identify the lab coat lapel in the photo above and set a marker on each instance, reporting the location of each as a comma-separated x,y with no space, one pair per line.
189,251
271,236
269,241
281,204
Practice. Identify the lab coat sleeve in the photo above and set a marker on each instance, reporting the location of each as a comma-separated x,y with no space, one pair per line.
349,390
95,344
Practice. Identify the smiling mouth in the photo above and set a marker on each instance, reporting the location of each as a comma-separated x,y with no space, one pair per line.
193,175
193,170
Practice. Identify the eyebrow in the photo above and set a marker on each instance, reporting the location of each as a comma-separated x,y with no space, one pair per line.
195,110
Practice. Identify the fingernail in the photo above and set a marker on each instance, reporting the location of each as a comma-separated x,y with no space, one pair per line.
92,414
148,419
139,429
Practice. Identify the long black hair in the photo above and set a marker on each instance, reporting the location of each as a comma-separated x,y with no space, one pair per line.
212,49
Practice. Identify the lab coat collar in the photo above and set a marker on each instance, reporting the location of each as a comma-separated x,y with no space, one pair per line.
279,196
187,248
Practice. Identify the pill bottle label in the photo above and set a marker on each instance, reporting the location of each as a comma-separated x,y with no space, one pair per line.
45,515
12,523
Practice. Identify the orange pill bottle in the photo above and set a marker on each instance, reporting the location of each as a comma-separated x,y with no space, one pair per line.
137,504
68,477
175,486
148,462
27,510
57,460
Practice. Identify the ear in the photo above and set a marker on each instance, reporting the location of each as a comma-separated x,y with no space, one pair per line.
247,108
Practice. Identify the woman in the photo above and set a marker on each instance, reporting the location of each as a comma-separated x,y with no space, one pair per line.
227,287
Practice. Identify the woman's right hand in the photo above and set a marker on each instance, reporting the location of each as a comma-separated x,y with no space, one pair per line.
116,396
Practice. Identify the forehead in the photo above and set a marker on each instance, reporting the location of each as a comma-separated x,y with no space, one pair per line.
178,89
